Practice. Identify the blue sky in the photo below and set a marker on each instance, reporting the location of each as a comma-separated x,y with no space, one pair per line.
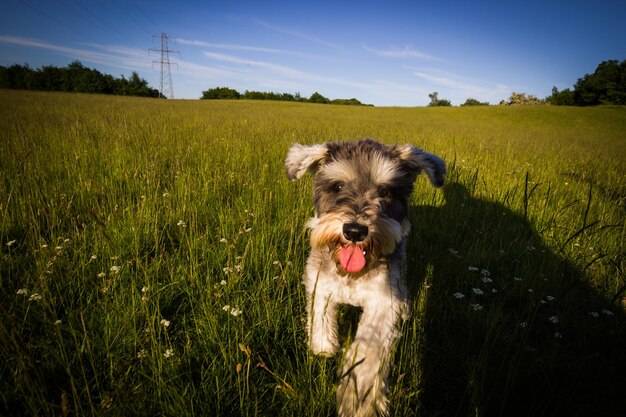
385,53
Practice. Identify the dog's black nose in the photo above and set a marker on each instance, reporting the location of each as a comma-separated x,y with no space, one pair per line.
354,232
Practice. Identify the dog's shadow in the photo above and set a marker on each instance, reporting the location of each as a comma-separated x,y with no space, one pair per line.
502,325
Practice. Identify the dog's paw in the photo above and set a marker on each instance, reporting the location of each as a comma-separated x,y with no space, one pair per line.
325,349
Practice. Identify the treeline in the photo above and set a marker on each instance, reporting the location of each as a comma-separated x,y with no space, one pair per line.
225,93
75,78
607,85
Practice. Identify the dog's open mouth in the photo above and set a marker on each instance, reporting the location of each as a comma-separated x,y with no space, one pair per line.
352,258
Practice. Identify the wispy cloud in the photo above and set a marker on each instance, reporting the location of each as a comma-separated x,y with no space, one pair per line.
276,68
229,46
462,85
281,76
123,60
283,70
401,53
114,56
296,34
245,48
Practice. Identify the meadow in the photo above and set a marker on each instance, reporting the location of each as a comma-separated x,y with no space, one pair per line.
151,254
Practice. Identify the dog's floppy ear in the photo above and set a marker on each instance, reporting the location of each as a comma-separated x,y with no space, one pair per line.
303,158
417,160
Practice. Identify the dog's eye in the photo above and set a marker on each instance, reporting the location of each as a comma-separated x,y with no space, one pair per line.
384,192
338,186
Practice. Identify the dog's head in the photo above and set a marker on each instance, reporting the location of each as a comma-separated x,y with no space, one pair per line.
361,192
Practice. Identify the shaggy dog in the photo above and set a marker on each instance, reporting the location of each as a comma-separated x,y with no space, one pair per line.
358,245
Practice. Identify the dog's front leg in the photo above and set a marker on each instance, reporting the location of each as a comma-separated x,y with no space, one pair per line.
363,388
322,322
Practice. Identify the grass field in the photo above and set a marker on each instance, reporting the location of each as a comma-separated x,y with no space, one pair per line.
151,258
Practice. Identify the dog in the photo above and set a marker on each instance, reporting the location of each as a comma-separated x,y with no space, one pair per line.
358,255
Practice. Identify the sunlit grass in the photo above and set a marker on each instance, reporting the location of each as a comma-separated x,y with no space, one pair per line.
151,254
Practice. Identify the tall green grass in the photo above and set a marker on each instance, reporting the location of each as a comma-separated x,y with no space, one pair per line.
151,254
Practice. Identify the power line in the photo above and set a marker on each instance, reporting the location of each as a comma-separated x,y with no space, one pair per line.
167,87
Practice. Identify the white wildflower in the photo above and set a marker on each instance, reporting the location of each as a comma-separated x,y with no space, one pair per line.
115,269
543,302
35,297
165,323
247,229
458,295
93,258
558,335
44,246
142,354
59,248
493,290
550,298
453,251
485,272
11,243
181,223
523,324
486,280
553,319
275,277
476,307
168,353
477,291
607,312
235,311
166,194
145,289
226,307
223,282
101,275
517,279
58,323
22,291
276,263
594,314
473,268
223,240
530,290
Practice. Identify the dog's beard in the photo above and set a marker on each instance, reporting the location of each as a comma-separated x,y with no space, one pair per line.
327,233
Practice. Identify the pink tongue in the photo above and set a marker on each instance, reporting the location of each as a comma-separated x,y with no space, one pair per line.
351,258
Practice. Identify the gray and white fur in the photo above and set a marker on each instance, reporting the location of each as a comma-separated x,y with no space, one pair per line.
361,193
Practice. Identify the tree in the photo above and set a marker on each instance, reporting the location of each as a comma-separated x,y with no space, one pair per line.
75,77
561,98
435,101
318,98
433,98
473,102
607,85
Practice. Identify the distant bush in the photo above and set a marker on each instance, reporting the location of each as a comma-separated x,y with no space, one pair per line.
474,102
75,77
221,93
435,101
521,99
